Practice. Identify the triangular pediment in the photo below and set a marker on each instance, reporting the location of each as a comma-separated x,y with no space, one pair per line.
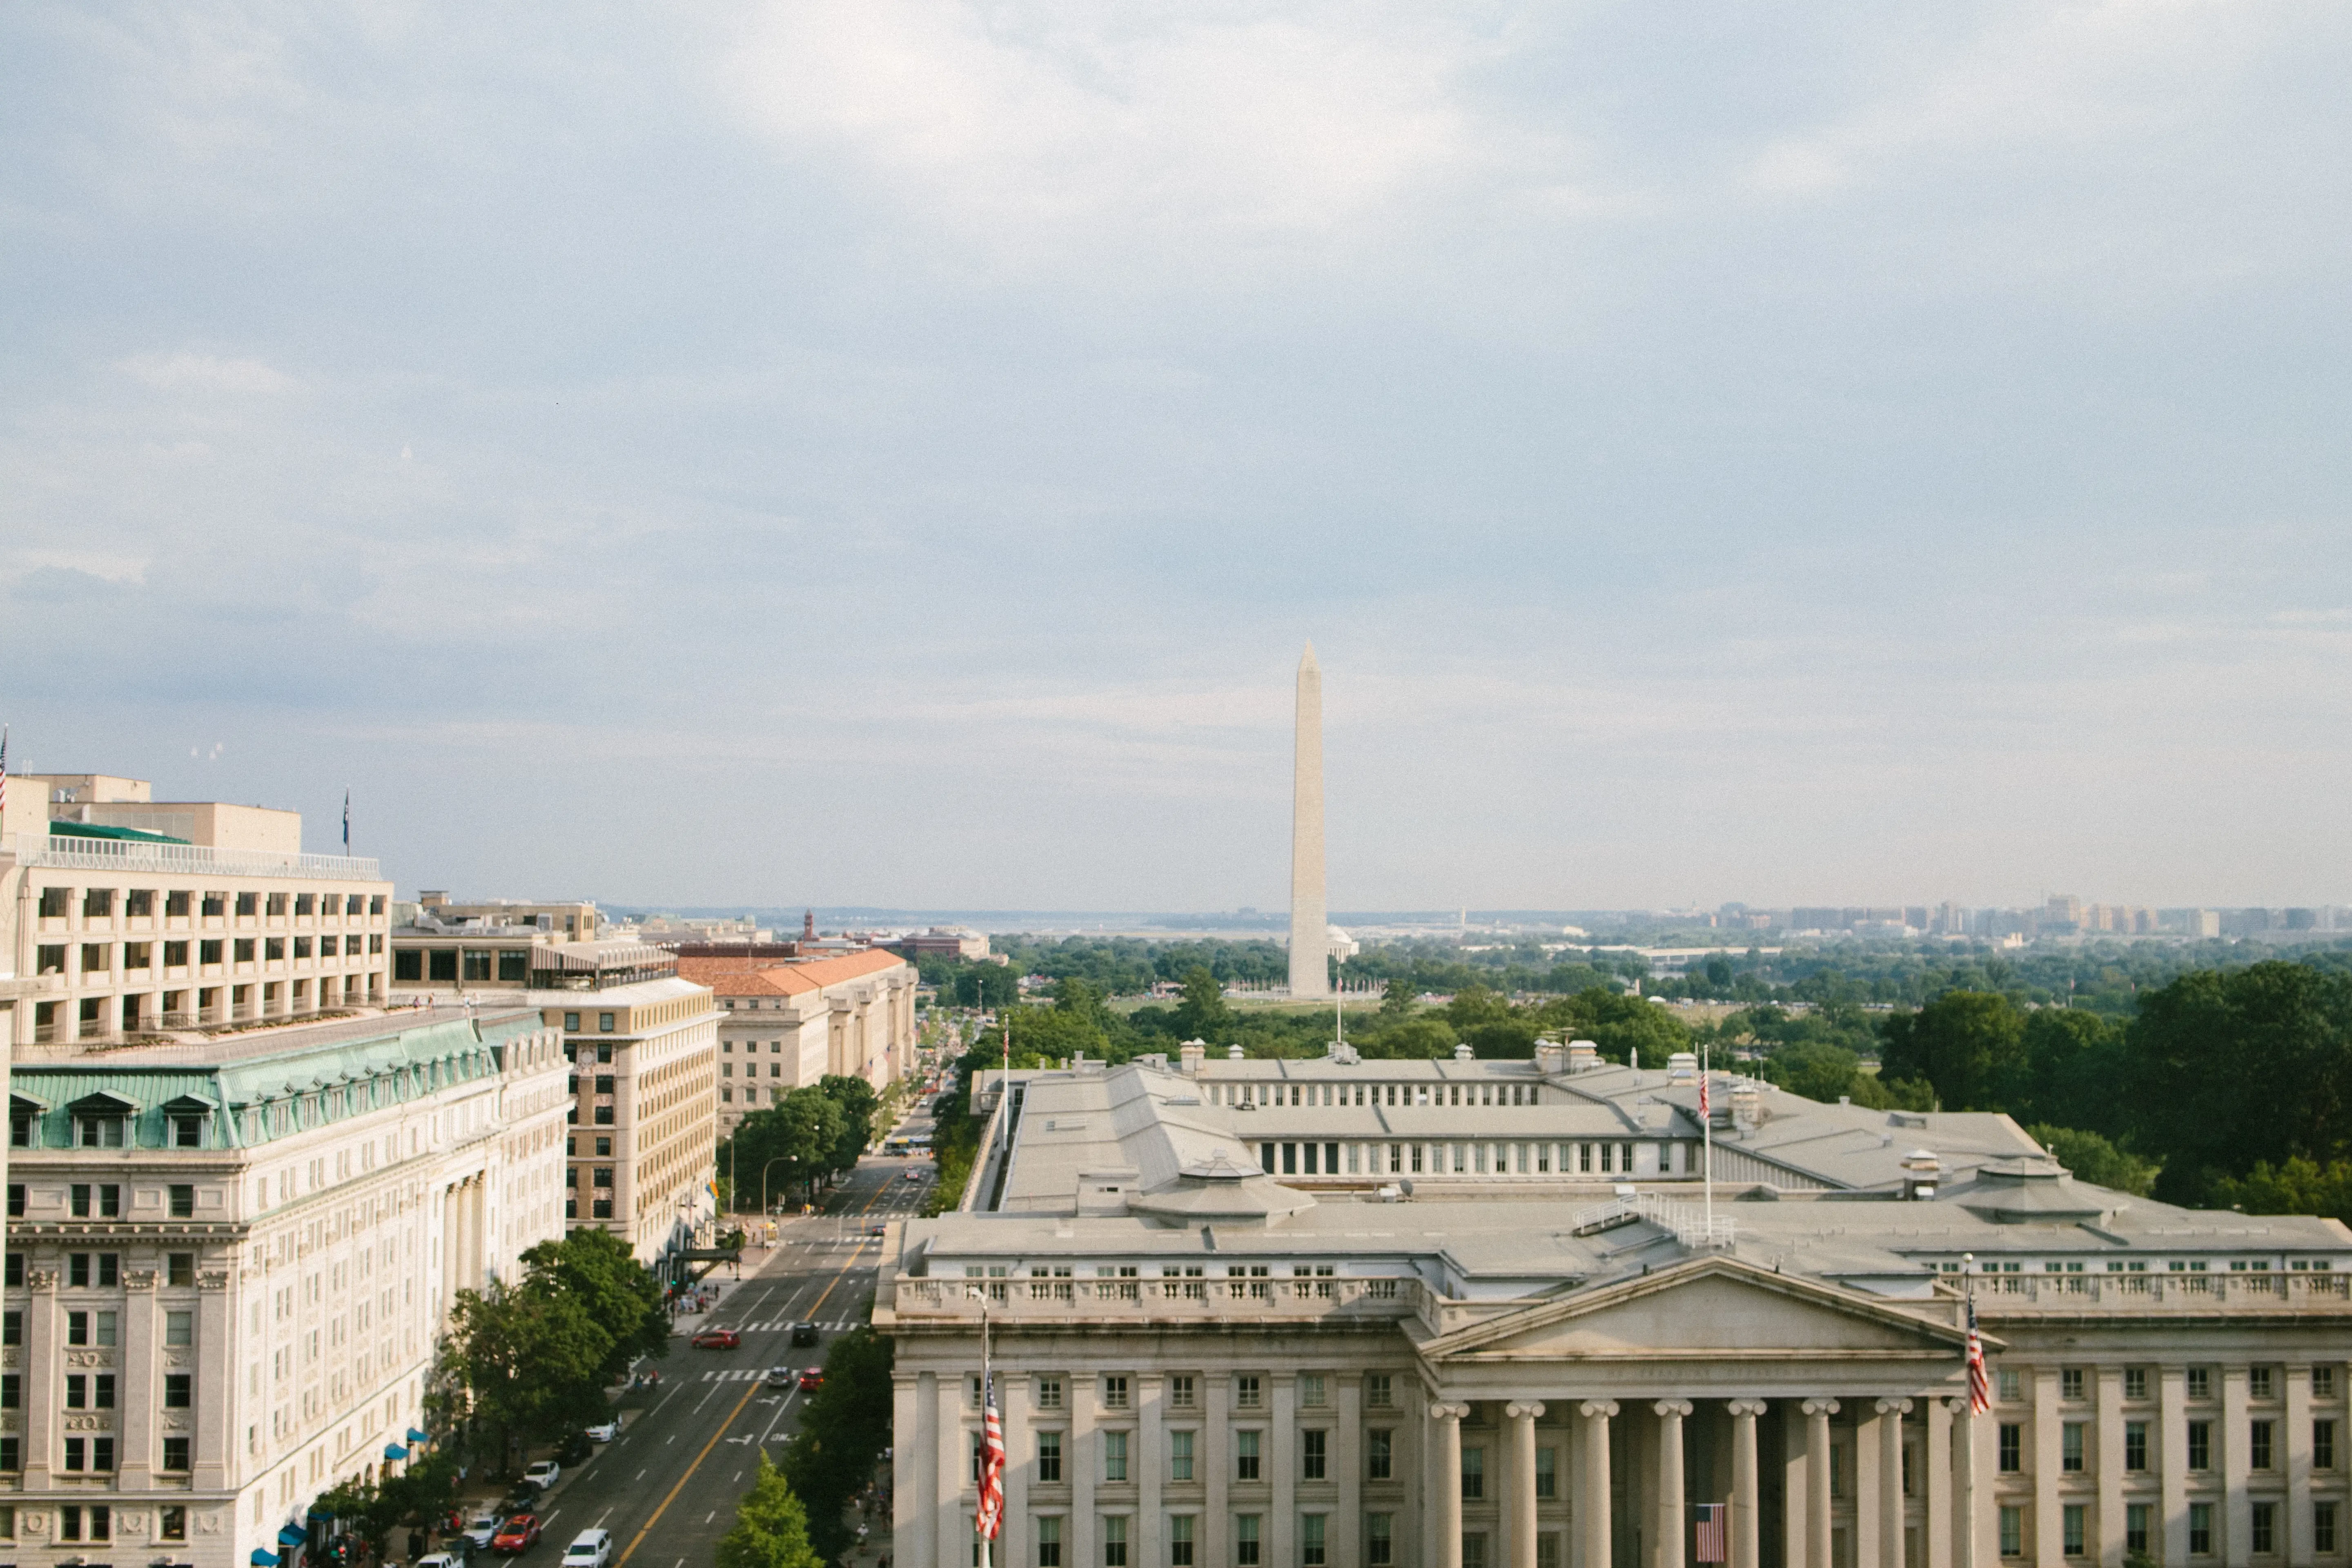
1710,1308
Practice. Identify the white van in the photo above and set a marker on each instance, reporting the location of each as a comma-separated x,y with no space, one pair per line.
589,1548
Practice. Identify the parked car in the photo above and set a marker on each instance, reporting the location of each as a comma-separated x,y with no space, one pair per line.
442,1560
520,1534
589,1548
481,1528
603,1431
521,1497
716,1340
803,1333
575,1449
812,1379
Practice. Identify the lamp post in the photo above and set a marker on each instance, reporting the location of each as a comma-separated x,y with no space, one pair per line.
763,1181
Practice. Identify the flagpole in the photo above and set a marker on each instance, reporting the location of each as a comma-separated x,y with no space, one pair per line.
988,1386
1706,1139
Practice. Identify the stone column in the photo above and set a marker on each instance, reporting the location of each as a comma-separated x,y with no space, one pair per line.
956,1497
1214,1465
1747,1494
1282,1467
913,1485
2110,1430
1523,1415
1347,1455
2172,1460
1667,1551
1890,1481
1020,1456
2297,1507
1082,1465
1592,1506
2229,1435
1817,1480
2049,1520
1445,1476
1942,1458
142,1358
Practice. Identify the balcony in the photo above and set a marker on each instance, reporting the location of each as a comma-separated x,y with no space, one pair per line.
1149,1301
187,859
2001,1295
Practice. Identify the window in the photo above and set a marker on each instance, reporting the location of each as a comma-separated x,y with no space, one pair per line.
2265,1530
1114,1393
2201,1530
2007,1382
2323,1445
1114,1454
514,965
1245,1541
1245,1455
1377,1390
2012,1532
1380,1454
1180,1455
76,1328
604,1023
172,1523
1380,1539
1049,1458
478,961
572,1022
2323,1382
176,1453
2258,1383
1474,1549
2201,1383
407,964
2323,1527
1114,1540
2070,1383
1049,1541
1546,1473
1245,1394
1180,1541
2070,1530
178,1390
2134,1445
2201,1444
2012,1448
2070,1447
1179,1392
1310,1541
1474,1474
2257,1445
2135,1527
183,1200
12,1390
187,1132
1314,1457
57,903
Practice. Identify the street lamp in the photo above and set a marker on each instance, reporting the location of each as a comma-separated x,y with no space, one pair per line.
763,1181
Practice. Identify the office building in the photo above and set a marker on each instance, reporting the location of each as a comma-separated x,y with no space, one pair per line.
565,920
229,1262
785,1024
643,1042
123,917
1470,1314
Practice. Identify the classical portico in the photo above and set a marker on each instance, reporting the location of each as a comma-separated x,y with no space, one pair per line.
1579,1432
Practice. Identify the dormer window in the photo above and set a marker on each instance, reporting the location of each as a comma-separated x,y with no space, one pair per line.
102,1120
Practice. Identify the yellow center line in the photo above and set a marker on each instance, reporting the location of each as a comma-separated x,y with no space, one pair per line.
638,1538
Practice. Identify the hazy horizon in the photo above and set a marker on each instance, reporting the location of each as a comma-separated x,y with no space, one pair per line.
894,456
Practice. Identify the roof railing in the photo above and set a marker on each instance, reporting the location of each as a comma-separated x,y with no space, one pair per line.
188,860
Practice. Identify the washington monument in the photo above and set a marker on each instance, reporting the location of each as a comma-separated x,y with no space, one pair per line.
1309,932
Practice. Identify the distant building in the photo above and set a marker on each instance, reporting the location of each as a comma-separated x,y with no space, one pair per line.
642,1140
568,920
785,1024
122,916
942,942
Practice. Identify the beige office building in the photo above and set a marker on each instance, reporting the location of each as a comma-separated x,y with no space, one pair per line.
784,1023
122,916
229,1261
642,1144
1472,1314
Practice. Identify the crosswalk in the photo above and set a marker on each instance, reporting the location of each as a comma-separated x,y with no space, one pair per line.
838,1326
736,1375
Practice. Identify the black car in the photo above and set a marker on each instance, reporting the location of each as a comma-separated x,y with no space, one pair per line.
524,1498
575,1449
803,1333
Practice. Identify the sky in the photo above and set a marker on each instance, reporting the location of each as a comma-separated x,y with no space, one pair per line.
893,454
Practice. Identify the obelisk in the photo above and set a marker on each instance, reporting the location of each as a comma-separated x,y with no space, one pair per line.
1310,974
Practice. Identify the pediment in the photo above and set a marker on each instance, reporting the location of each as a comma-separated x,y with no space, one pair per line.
1707,1309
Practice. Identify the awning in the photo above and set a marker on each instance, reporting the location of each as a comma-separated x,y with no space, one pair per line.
264,1558
317,1513
416,1436
394,1451
292,1535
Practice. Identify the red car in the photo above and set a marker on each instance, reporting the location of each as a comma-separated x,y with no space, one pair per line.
716,1340
520,1534
812,1380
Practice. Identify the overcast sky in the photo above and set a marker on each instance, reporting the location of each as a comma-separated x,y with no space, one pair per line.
893,454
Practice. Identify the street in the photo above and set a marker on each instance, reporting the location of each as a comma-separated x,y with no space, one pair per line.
667,1486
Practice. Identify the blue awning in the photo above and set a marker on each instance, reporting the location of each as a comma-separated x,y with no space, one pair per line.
292,1535
416,1436
394,1451
264,1558
316,1513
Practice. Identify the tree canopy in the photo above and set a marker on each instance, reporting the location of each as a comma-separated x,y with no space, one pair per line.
771,1529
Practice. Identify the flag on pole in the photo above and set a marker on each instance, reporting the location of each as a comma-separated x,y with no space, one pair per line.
1711,1540
992,1465
1704,1115
1979,1381
347,821
4,768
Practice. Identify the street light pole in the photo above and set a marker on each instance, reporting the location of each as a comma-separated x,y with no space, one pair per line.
763,1181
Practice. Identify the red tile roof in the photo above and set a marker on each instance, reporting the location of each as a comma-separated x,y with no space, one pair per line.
784,976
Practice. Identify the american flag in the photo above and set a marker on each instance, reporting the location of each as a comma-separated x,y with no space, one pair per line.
1979,1380
1713,1533
1702,1099
992,1464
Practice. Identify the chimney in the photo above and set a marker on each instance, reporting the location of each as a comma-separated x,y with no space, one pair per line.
1233,1052
1462,1053
1551,1057
1190,1055
1922,1173
431,897
1583,1055
1747,1105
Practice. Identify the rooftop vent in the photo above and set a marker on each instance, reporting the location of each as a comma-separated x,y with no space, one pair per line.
1233,1052
1583,1055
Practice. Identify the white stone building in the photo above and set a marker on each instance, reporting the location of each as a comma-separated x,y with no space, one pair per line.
228,1260
1464,1333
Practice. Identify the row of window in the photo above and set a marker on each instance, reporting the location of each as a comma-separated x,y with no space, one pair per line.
95,1390
96,1523
2262,1446
2262,1383
86,1455
1459,1159
138,903
103,1200
1250,1540
1114,1390
512,965
1371,1094
98,957
2262,1529
95,1328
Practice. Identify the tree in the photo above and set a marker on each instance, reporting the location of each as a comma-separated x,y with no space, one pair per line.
1618,1023
596,1269
2232,1069
771,1529
2094,1160
1970,1046
1474,1006
856,1101
2075,1063
1817,1071
420,1495
844,1429
1414,1040
1505,1039
1202,1014
531,1363
987,986
1399,998
2296,1186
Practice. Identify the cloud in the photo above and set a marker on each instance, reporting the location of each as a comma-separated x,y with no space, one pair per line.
186,372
